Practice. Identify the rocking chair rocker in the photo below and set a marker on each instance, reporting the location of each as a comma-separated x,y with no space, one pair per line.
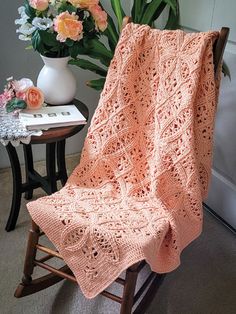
129,298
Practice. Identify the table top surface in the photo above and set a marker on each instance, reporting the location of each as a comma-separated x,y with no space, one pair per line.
60,133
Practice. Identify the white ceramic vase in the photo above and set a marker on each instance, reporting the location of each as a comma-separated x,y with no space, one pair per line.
57,81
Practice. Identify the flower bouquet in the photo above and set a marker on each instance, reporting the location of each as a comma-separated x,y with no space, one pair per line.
21,94
60,28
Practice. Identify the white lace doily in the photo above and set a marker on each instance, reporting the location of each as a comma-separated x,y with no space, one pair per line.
12,130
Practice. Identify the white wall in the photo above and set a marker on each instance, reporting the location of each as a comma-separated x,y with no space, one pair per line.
18,62
213,14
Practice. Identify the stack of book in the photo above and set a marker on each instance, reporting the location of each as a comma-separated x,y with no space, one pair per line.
51,117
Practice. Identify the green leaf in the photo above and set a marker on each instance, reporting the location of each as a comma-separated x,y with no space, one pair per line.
77,48
150,12
159,11
99,48
55,49
66,7
87,65
111,34
29,10
96,84
88,26
137,10
37,42
104,60
49,39
119,12
173,5
14,104
173,19
96,50
69,42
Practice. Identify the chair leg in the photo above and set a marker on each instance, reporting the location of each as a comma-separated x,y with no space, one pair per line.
150,294
129,290
30,253
29,286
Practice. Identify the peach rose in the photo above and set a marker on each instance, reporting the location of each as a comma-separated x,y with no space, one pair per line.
68,26
100,17
39,5
34,98
84,4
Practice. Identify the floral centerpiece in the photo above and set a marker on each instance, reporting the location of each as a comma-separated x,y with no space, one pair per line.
21,94
60,28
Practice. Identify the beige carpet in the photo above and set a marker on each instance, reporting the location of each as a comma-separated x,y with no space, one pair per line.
205,283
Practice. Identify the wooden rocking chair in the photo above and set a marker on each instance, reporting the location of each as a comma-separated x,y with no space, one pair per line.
129,298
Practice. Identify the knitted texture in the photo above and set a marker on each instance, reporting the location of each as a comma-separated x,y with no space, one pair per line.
144,171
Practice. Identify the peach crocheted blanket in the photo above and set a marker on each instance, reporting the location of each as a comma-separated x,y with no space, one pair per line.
137,192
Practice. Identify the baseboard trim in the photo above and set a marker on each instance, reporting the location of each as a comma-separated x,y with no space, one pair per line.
222,198
218,217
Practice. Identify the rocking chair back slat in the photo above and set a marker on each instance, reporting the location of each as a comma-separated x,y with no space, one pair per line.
219,47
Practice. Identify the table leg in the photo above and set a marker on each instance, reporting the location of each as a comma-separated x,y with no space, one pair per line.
17,186
61,164
29,167
51,166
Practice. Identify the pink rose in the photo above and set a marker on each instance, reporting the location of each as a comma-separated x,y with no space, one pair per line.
68,26
40,5
83,4
21,95
99,16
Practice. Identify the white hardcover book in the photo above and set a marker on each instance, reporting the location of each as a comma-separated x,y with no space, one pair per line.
51,117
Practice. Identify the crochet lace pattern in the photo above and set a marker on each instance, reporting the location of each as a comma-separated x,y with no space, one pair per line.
144,171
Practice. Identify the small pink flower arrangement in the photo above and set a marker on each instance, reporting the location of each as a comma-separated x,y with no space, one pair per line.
21,94
60,28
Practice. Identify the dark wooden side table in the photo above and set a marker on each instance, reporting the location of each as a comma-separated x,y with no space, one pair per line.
55,140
